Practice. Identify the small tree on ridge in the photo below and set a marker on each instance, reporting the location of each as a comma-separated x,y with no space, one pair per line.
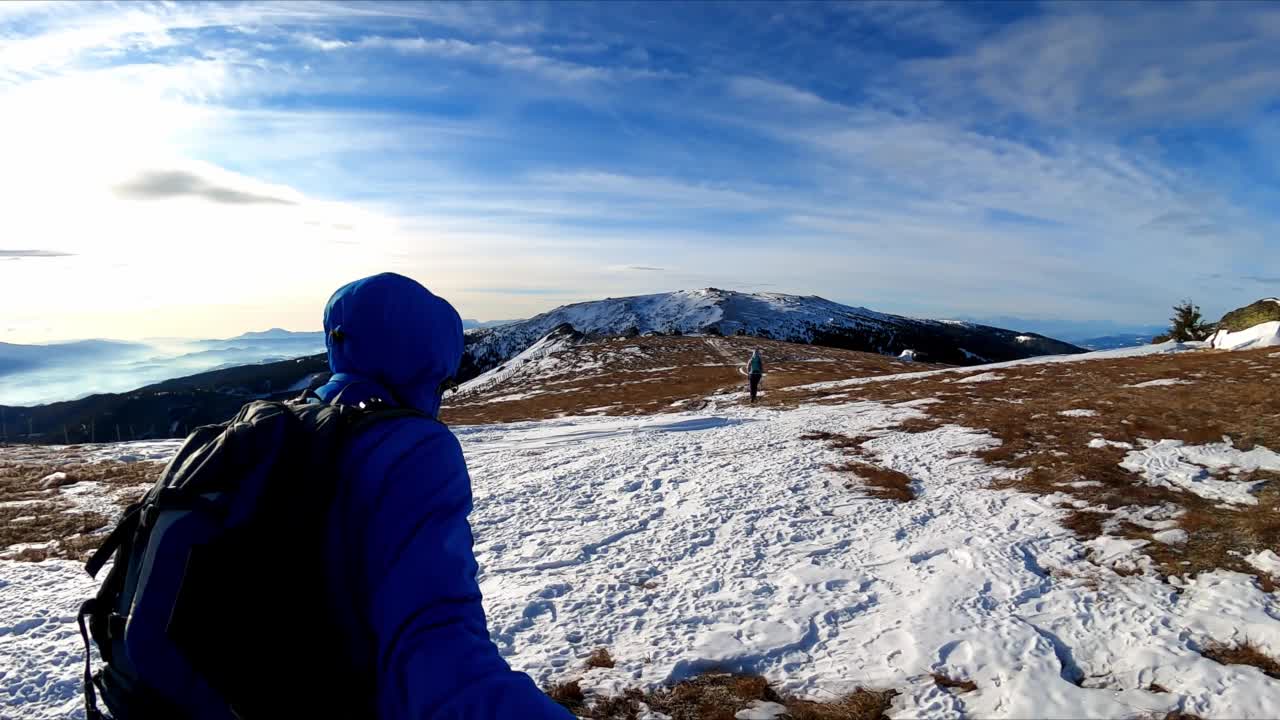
1187,323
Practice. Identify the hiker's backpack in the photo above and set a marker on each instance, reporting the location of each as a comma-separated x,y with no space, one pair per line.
216,606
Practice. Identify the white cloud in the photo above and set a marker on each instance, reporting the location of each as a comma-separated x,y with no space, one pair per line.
497,54
753,88
1118,63
628,190
936,206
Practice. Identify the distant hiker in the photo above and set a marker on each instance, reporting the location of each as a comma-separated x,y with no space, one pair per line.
755,371
313,559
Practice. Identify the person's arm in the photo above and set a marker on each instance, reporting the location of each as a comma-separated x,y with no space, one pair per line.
435,658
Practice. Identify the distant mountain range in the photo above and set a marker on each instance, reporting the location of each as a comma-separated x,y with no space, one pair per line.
477,324
1112,342
15,358
167,409
790,318
31,374
1077,332
103,375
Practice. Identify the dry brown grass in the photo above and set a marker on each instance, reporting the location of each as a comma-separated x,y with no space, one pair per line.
1232,395
47,522
878,481
918,425
600,658
668,373
718,696
950,683
836,440
568,694
860,705
33,512
1245,653
23,480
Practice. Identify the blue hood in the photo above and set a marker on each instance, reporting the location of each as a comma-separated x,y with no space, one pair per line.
391,331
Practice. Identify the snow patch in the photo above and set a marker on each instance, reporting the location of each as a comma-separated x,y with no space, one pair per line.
1106,549
1173,536
53,480
761,710
1172,463
981,377
1078,412
1101,443
533,360
137,451
1165,348
1265,334
1266,561
1159,383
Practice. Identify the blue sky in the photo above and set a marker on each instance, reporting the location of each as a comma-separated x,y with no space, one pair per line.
204,169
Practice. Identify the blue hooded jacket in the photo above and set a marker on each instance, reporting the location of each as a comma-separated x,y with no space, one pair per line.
402,575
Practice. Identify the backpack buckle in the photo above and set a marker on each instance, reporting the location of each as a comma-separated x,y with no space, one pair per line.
116,624
150,514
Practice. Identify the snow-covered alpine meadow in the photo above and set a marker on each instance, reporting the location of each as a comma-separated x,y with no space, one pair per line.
691,542
724,539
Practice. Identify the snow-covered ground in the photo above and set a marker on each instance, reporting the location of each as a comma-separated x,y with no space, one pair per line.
1172,463
985,374
690,542
720,539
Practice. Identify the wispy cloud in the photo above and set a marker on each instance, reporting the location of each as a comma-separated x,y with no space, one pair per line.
16,254
497,54
169,184
1119,63
524,291
752,88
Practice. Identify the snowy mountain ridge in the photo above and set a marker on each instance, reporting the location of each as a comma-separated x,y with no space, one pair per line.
777,316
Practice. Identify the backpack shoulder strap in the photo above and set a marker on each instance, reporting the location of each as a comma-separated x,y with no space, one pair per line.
374,415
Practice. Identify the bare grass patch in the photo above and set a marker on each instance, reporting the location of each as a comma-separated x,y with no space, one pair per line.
719,696
600,658
1245,653
950,683
37,517
879,481
57,530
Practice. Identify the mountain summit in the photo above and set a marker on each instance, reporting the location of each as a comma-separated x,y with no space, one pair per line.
791,318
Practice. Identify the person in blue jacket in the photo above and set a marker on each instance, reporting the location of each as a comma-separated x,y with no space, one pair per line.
402,580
